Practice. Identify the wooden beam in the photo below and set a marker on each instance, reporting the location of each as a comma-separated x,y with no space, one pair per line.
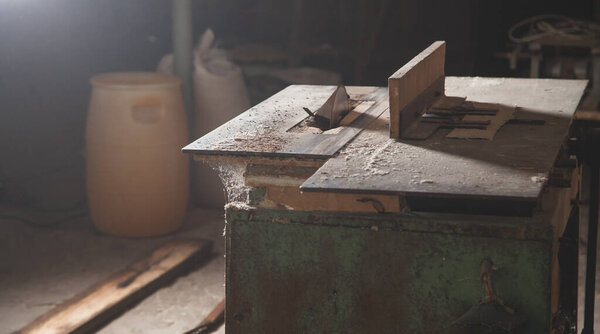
587,116
212,321
100,303
322,201
420,79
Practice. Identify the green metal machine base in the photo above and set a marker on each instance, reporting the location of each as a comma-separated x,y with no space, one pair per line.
312,272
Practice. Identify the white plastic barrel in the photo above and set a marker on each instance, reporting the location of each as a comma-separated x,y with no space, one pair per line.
137,178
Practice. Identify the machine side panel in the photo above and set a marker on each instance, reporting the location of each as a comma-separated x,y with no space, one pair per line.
301,276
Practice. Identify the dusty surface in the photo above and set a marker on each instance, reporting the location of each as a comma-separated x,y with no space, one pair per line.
263,129
40,267
510,166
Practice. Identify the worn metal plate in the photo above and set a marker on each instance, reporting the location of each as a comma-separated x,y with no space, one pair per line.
300,272
512,167
263,130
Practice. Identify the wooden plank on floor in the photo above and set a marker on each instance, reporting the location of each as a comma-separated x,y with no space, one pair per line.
212,321
100,303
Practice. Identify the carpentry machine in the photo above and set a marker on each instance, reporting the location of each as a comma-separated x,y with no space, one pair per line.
434,207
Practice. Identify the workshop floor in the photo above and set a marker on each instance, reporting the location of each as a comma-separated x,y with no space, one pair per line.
40,267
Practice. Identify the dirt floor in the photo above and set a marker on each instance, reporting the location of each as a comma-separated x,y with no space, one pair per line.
40,267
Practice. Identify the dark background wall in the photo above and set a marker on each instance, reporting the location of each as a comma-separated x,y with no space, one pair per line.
50,49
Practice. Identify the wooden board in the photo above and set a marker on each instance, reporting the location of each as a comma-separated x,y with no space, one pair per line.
213,320
292,198
588,116
100,303
284,175
511,168
262,131
413,85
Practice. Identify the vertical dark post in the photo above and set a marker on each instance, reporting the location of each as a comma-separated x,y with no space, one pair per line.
592,155
183,49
